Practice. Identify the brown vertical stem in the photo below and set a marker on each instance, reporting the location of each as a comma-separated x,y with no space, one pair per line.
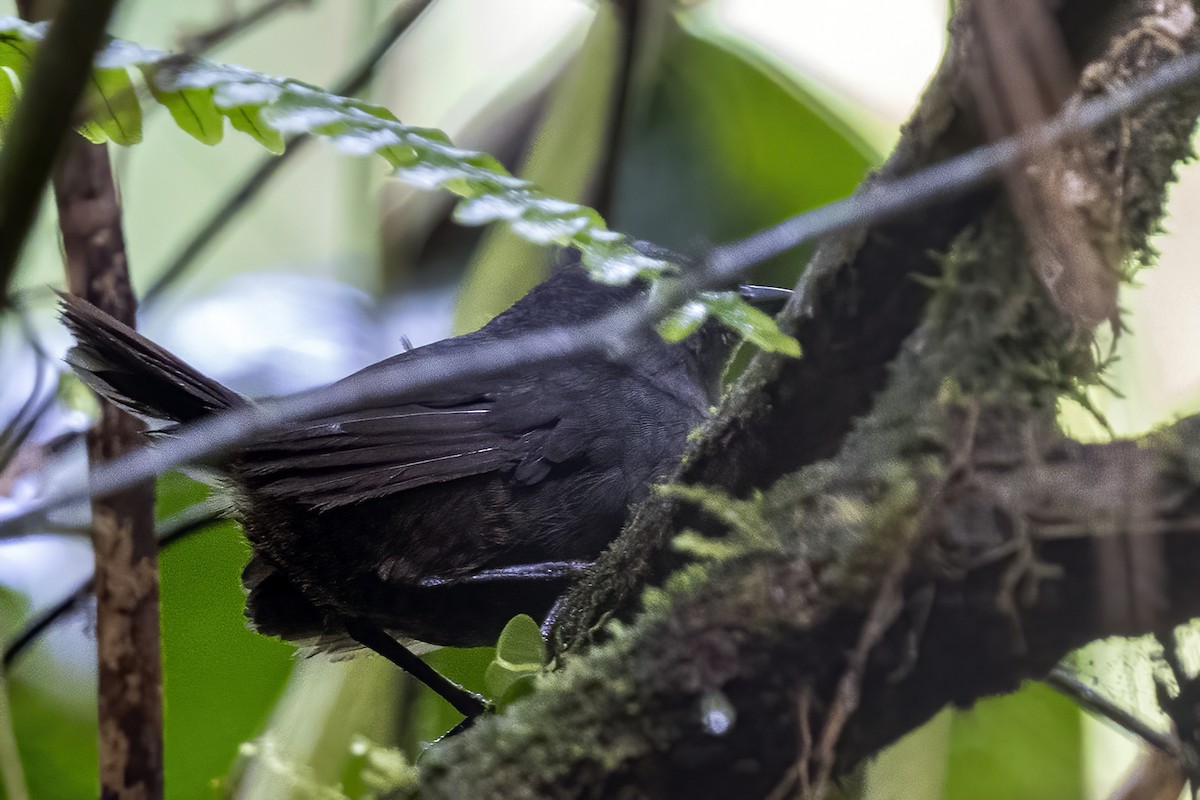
126,580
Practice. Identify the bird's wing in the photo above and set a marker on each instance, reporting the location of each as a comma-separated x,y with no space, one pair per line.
326,463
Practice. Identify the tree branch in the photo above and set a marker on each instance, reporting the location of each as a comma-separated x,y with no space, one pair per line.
1002,585
787,616
865,291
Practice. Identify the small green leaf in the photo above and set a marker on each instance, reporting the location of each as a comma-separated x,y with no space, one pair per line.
378,770
112,107
248,119
16,54
755,327
192,109
683,321
521,687
734,313
198,92
399,155
195,112
705,547
520,653
93,132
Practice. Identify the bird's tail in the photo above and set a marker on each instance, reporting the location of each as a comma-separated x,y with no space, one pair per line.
134,373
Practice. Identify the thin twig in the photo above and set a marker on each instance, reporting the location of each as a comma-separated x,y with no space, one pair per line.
953,176
221,33
796,777
193,519
60,70
222,432
17,430
351,84
889,602
1090,700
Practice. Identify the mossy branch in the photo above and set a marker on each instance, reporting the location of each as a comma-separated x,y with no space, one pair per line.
921,511
869,291
1000,585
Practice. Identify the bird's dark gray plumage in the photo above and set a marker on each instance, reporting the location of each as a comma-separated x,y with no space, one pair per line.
387,513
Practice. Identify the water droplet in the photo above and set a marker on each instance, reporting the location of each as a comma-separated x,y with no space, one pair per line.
717,714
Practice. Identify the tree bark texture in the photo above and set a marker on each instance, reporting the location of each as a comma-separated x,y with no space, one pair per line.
126,574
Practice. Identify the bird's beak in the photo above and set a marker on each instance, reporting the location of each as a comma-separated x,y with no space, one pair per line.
768,298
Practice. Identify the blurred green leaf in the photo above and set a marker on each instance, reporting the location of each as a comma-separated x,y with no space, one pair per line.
222,679
56,728
8,96
1027,745
520,653
12,771
53,710
734,313
113,111
16,54
192,109
465,666
726,144
14,606
753,325
683,321
54,715
248,119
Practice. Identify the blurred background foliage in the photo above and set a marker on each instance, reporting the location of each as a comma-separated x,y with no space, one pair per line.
737,113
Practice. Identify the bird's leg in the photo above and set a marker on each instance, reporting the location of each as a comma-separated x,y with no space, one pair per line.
371,636
541,571
552,616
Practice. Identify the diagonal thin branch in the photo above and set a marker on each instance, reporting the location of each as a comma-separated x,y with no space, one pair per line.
238,24
954,176
355,81
614,332
1090,700
17,430
193,519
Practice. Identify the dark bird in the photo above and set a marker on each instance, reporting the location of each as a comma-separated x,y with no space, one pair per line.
437,518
